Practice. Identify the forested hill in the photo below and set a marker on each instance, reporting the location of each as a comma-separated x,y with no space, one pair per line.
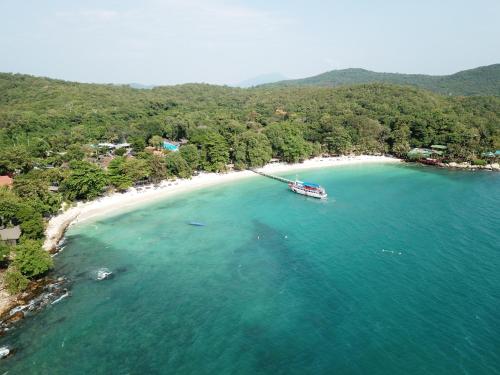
484,80
41,116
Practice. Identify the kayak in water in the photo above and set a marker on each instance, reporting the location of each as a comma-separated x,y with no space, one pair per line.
196,224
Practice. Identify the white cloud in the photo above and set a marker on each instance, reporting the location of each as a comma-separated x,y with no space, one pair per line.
198,39
211,20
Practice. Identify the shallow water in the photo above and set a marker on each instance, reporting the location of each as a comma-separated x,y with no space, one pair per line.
398,272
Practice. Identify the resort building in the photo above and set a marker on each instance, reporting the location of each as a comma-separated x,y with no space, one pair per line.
439,149
418,153
6,181
10,236
421,153
491,154
113,145
170,146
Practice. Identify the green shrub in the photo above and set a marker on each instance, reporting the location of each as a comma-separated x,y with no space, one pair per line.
479,162
4,253
33,228
31,260
120,151
15,281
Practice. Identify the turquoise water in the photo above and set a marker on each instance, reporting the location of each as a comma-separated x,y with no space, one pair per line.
397,273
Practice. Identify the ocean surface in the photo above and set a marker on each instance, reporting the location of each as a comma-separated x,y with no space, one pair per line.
397,273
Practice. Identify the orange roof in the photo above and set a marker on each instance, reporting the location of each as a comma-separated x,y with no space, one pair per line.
6,181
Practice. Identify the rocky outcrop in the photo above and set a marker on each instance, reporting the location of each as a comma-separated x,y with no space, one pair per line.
40,294
465,165
57,227
5,352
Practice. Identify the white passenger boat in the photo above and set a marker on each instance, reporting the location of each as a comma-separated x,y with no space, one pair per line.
307,188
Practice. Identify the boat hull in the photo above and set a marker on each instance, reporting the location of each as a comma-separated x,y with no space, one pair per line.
307,193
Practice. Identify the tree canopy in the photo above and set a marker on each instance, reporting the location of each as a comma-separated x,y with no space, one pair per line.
30,259
85,181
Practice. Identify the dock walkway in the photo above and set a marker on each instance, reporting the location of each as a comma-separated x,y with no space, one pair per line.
282,179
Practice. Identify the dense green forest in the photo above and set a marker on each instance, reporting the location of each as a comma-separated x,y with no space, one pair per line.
41,119
49,130
484,80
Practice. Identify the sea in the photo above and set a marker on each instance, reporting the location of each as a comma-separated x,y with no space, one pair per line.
397,272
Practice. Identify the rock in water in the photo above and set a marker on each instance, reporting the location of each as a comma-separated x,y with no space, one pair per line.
4,352
103,274
121,269
15,315
39,295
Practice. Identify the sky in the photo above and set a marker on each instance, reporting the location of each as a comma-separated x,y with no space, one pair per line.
225,42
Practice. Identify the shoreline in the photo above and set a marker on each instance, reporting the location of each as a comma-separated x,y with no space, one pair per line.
116,203
133,197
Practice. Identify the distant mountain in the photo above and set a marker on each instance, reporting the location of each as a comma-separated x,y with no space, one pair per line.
262,79
484,80
141,86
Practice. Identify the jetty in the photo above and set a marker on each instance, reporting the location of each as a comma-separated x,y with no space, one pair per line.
278,178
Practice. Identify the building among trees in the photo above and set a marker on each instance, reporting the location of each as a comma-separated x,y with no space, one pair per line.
10,236
6,181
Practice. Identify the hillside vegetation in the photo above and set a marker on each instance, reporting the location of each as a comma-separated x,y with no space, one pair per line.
371,117
484,80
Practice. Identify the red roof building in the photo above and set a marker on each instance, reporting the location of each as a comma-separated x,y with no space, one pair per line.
6,181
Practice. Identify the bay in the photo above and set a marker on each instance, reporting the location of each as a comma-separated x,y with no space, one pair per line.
397,272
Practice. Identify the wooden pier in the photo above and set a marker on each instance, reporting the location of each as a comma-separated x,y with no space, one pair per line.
278,178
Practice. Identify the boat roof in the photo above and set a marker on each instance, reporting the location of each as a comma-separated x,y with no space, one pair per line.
310,184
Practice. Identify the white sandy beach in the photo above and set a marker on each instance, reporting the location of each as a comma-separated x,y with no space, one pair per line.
133,197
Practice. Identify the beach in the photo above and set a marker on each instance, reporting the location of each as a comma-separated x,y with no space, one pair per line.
133,197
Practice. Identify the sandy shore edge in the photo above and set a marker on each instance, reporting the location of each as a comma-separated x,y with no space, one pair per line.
134,197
